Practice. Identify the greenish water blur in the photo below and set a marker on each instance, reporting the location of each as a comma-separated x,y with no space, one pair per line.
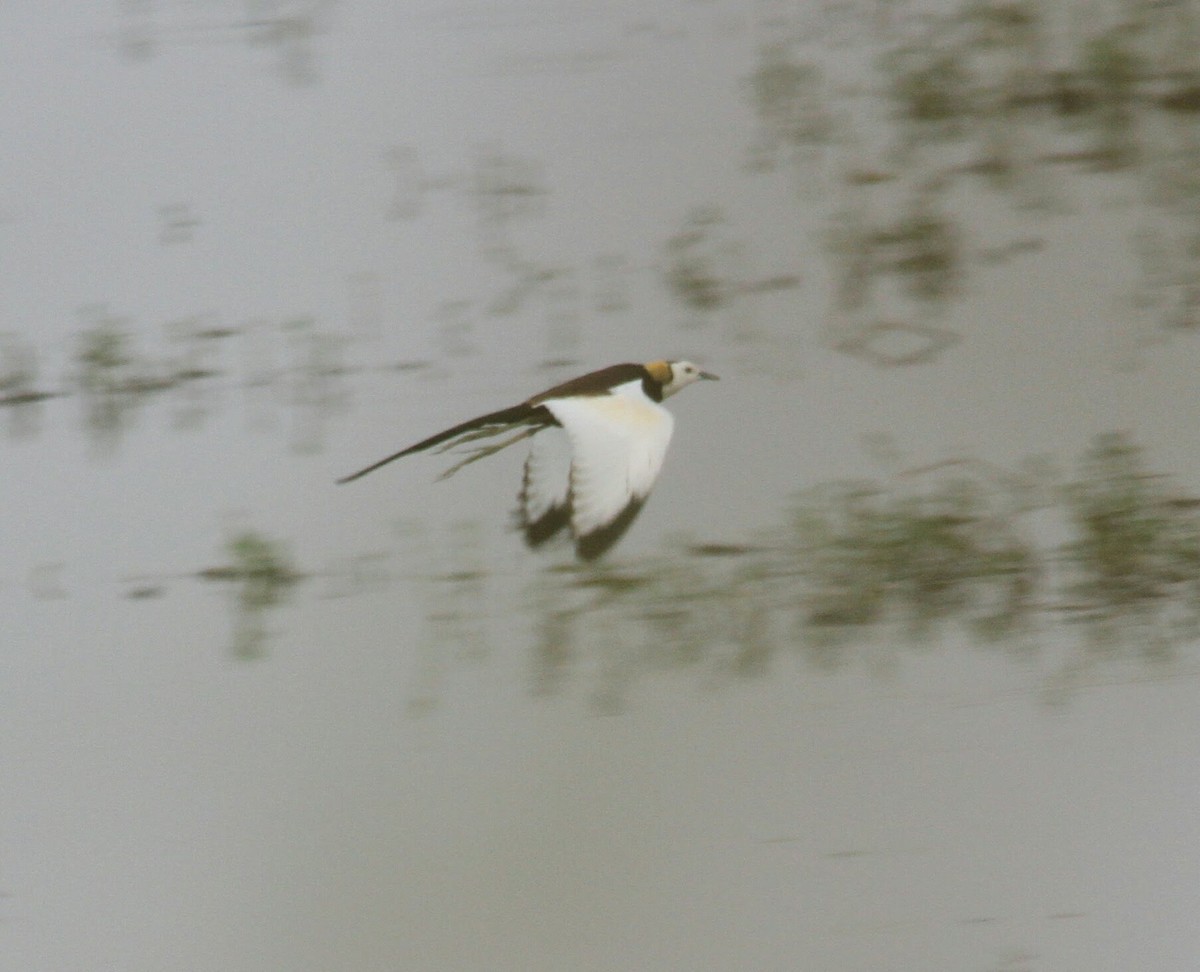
923,550
891,695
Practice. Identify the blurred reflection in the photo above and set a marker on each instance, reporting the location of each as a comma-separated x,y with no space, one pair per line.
869,554
555,292
952,545
137,32
408,185
792,109
920,252
414,548
450,582
618,623
360,574
612,284
455,329
177,223
263,575
193,360
317,382
45,581
364,300
294,365
504,189
19,397
455,592
110,377
289,28
527,280
703,265
989,90
261,370
562,319
1135,555
982,101
1111,71
113,379
974,99
706,269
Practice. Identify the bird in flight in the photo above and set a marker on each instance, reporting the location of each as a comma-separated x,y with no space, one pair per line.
616,432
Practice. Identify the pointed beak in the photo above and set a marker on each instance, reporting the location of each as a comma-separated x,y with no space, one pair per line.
709,376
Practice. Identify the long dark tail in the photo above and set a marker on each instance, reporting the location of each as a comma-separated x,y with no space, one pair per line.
477,428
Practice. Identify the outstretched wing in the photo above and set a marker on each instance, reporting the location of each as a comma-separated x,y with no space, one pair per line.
524,419
618,445
528,417
544,503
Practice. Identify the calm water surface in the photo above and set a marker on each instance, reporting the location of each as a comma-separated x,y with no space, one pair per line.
896,671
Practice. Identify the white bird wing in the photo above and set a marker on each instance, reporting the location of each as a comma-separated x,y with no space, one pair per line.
618,444
545,498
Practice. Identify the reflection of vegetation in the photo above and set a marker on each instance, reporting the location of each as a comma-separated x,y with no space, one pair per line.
291,31
910,555
869,553
696,273
265,574
921,251
455,591
112,377
703,271
18,368
983,63
1113,70
103,356
106,378
931,86
987,88
927,251
788,99
897,343
505,189
959,547
18,375
1136,547
317,388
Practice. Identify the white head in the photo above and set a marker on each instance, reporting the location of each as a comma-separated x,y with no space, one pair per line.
678,374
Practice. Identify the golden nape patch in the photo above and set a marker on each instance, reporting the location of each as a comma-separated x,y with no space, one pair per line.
660,371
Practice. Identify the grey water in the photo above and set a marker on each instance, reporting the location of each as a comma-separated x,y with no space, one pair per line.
897,669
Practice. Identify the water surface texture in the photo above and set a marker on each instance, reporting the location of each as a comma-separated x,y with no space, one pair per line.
897,669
